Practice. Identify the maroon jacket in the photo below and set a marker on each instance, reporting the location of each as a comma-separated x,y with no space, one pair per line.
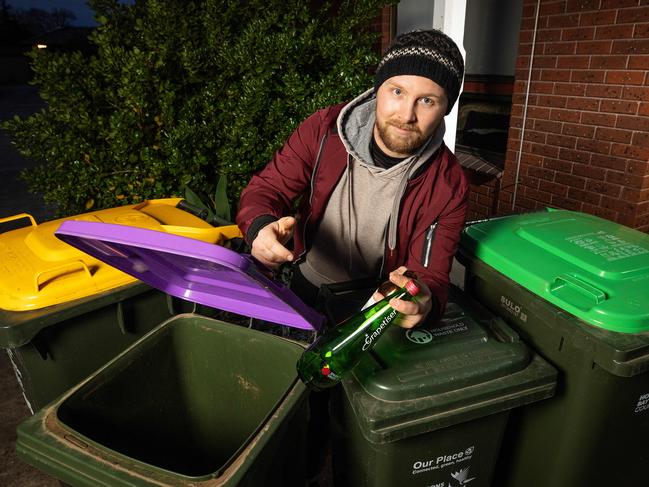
310,165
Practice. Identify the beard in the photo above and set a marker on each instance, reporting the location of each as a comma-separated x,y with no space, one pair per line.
397,143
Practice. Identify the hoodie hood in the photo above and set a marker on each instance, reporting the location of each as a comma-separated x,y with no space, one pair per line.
356,125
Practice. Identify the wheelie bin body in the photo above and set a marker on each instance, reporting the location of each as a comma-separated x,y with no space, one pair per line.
430,405
576,288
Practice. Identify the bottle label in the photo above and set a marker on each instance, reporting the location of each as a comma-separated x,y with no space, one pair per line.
328,373
369,338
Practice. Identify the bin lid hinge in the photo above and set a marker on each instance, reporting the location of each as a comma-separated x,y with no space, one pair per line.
124,315
40,344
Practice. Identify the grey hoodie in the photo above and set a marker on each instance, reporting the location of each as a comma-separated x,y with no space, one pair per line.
363,209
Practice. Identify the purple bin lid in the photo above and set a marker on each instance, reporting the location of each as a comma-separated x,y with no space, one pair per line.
190,269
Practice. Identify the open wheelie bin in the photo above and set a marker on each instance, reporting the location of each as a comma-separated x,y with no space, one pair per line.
197,401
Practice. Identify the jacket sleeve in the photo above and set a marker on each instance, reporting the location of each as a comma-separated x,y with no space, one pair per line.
444,245
272,191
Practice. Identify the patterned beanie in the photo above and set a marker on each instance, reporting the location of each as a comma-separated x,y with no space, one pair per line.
428,53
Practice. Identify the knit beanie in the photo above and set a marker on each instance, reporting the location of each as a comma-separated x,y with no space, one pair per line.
428,53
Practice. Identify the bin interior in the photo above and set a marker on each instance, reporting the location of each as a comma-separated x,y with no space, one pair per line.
188,397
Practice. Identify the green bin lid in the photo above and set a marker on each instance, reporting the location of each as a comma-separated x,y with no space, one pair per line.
592,268
420,380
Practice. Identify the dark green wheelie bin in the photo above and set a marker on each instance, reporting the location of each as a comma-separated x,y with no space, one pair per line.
576,288
63,314
429,406
195,402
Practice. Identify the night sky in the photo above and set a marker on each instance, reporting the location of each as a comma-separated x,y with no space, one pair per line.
85,16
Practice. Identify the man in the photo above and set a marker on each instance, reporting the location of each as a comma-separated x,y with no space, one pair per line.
373,179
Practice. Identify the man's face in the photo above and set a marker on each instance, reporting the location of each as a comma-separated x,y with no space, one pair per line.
408,111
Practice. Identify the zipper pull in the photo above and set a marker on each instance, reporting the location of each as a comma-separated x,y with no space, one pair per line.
428,244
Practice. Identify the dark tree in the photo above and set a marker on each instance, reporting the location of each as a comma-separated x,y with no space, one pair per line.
179,93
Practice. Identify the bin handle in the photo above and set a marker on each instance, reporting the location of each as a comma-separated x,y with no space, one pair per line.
60,271
353,285
172,308
584,291
19,216
216,235
502,330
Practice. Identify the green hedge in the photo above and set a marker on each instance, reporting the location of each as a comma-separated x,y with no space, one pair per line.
179,93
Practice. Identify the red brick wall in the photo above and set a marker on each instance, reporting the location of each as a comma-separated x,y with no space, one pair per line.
586,139
481,200
385,25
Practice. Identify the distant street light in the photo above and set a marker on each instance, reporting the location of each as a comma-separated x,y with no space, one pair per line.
41,46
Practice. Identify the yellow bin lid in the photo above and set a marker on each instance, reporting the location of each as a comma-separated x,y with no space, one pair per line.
38,270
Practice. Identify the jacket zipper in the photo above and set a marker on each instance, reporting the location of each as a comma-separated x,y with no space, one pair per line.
312,184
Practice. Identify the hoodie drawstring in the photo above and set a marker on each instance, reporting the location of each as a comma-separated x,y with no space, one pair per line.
350,213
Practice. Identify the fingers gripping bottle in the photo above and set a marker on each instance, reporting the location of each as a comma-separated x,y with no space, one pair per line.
340,349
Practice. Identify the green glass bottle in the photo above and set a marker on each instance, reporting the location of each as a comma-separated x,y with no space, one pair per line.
339,349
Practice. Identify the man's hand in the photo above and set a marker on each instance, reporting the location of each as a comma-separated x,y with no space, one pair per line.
268,248
413,312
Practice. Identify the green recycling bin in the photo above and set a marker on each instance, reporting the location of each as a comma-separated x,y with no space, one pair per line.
63,314
196,401
576,288
429,406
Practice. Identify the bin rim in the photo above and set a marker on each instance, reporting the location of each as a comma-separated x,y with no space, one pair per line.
515,393
619,354
18,328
